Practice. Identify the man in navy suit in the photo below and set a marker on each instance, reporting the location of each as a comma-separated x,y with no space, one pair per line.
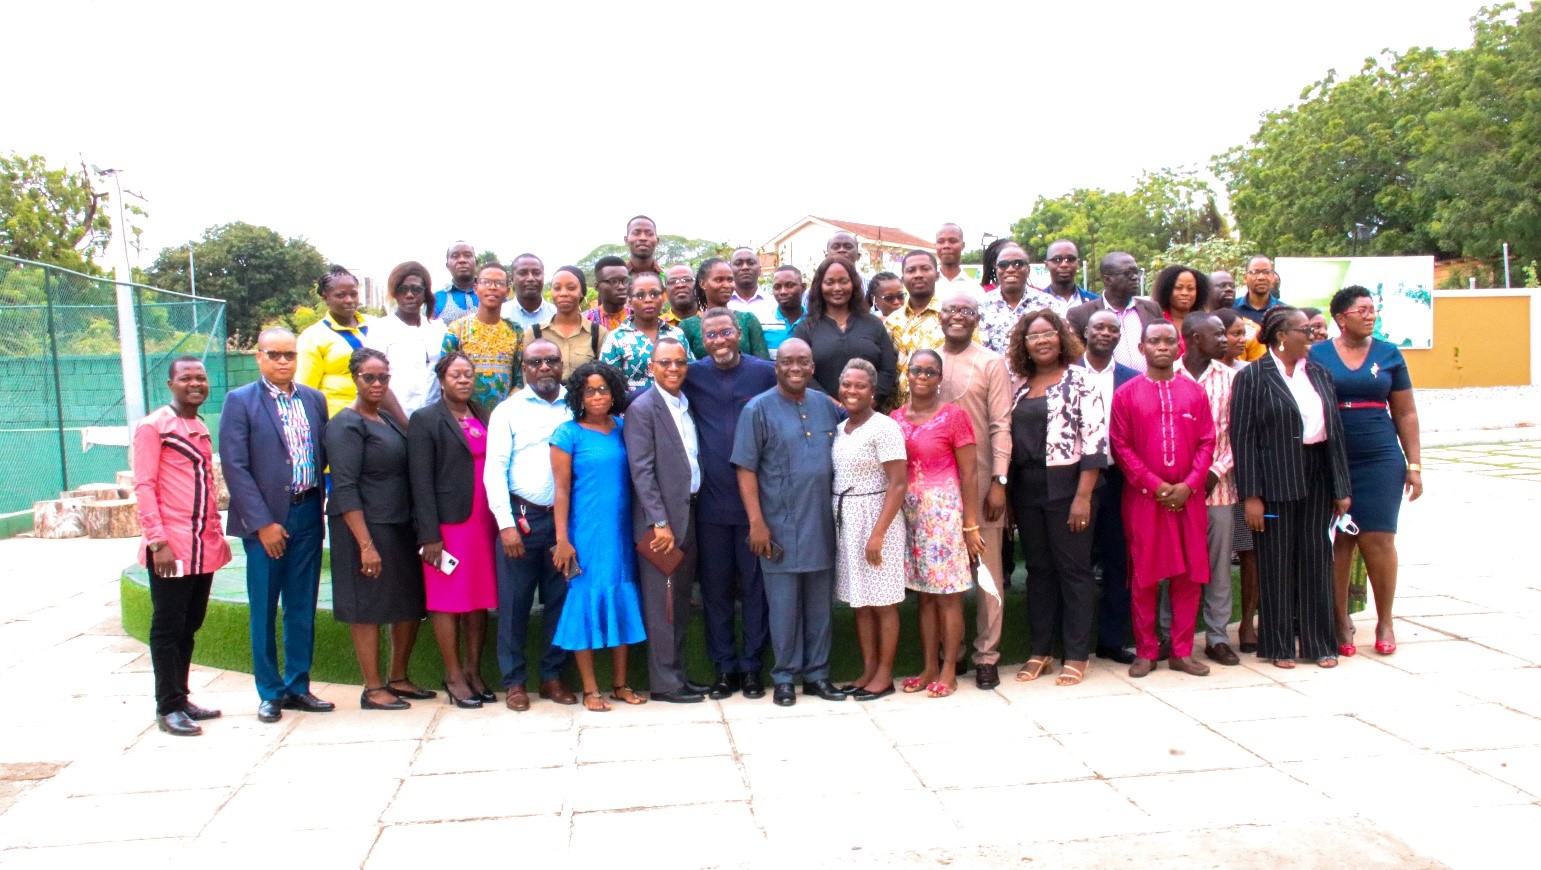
271,448
1109,547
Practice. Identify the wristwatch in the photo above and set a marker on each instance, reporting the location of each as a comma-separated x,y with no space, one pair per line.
155,546
1000,479
661,524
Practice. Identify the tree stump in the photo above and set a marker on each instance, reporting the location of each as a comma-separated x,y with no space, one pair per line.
59,518
111,518
99,492
125,480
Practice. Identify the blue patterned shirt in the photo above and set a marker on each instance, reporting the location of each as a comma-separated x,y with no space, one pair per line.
296,426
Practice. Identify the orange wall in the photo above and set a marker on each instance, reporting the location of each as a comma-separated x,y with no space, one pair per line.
1479,341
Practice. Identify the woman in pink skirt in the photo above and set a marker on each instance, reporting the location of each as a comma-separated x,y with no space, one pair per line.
447,447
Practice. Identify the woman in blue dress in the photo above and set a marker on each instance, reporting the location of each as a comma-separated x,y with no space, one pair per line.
1380,425
593,527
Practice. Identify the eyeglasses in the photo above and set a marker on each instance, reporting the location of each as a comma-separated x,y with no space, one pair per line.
1364,311
924,372
892,297
282,355
684,279
596,391
499,285
1259,272
372,379
671,363
719,333
647,294
1041,337
1002,265
535,362
958,310
1064,258
1308,330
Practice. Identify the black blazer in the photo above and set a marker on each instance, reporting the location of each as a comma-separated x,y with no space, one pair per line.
443,473
1146,307
1265,433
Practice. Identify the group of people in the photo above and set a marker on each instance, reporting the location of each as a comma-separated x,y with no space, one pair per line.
846,437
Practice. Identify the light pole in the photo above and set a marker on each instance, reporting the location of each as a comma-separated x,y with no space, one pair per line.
128,326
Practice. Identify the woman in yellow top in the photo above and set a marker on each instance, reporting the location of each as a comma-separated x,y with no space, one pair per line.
326,345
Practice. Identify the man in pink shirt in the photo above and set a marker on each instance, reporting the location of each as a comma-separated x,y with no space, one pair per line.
183,545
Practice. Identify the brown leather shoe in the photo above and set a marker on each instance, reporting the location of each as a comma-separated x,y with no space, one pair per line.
1223,654
517,699
1189,666
987,676
1141,668
553,690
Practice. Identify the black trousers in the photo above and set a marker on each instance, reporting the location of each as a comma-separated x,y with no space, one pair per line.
1111,551
1061,589
1294,559
177,607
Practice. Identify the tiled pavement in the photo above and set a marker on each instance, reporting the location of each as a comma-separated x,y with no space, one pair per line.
1428,757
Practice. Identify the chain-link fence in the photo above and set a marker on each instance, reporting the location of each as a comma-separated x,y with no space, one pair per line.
63,418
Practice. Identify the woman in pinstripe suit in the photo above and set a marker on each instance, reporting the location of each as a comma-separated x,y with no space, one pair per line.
1292,472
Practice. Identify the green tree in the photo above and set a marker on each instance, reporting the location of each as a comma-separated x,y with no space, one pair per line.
51,215
1331,175
1209,255
1480,166
262,276
1182,205
672,250
1098,221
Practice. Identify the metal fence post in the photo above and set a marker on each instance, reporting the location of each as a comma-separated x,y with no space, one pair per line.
53,355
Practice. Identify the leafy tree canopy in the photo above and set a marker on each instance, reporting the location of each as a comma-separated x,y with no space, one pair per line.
262,276
51,215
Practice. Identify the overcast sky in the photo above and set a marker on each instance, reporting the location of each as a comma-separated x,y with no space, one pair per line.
383,131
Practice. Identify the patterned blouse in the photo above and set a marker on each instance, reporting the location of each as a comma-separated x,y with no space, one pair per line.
496,351
1078,422
629,349
997,319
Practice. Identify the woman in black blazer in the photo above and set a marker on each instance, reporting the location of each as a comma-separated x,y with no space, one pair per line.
1292,475
447,448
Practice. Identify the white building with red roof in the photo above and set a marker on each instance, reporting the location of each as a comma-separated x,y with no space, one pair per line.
802,245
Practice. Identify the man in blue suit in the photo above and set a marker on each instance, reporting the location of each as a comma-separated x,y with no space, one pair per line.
1110,550
273,454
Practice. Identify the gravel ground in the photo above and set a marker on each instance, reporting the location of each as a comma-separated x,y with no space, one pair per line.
1472,408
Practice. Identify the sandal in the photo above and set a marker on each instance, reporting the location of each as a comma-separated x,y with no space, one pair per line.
1034,668
913,684
589,700
939,689
1284,664
626,695
1327,662
1070,676
412,690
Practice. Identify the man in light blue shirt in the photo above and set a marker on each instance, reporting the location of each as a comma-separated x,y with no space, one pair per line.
528,307
520,491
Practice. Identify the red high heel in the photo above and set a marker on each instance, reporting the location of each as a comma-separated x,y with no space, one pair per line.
1385,647
1348,649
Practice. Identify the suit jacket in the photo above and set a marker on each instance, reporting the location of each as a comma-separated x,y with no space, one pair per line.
1112,476
1265,433
255,458
1147,308
442,470
660,469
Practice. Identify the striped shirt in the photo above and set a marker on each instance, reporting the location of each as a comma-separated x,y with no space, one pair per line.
296,431
1216,381
174,490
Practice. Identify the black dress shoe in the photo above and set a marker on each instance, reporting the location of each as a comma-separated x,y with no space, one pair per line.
696,688
177,723
395,703
986,677
484,693
824,689
786,695
683,696
308,702
469,702
861,693
1247,647
725,686
199,714
1116,653
754,687
416,694
270,711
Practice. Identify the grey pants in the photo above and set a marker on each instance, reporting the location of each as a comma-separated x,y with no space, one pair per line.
800,628
665,639
1217,592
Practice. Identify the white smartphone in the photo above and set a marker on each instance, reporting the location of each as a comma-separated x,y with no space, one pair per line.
447,563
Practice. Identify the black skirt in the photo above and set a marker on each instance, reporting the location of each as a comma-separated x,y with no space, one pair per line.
397,595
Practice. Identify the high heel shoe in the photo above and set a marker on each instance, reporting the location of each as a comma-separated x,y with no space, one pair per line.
469,703
1385,647
1347,649
365,703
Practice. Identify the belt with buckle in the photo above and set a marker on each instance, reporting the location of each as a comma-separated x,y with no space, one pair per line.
302,497
527,504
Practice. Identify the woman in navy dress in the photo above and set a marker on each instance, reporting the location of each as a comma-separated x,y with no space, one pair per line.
593,530
1380,424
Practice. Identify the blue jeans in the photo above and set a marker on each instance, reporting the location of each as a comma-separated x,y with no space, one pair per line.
517,581
293,579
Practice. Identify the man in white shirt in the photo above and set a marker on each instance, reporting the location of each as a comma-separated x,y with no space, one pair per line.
410,337
521,491
951,279
747,293
529,308
664,453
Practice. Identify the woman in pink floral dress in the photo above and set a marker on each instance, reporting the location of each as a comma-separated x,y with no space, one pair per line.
943,526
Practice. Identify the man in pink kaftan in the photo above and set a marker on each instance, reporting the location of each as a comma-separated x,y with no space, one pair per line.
1163,437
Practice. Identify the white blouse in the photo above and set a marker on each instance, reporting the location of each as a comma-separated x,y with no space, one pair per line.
1313,417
